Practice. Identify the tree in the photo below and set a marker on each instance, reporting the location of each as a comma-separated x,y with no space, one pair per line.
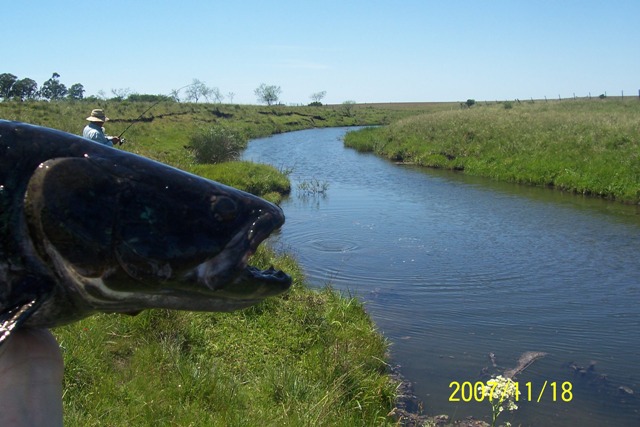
121,94
76,91
470,102
7,81
196,90
347,107
269,94
175,94
25,89
52,89
317,97
215,93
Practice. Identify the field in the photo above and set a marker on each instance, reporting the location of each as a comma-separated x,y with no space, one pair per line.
589,147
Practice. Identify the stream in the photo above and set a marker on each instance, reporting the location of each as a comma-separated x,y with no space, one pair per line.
453,269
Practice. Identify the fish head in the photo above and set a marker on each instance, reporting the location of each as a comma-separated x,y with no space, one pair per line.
122,233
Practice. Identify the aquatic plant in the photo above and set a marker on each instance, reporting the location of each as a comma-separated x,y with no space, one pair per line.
312,187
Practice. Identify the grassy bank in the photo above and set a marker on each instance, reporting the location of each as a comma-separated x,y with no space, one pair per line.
309,357
585,146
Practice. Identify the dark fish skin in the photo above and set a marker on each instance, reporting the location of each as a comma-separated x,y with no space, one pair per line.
87,228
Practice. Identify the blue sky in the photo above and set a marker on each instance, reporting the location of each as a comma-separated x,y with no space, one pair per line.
365,51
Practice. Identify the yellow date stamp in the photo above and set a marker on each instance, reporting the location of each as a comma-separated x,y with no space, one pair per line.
479,391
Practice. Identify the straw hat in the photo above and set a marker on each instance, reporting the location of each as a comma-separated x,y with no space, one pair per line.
97,115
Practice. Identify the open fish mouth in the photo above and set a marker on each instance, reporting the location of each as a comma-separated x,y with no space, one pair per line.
228,275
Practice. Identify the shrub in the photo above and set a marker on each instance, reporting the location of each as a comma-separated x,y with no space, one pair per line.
141,97
216,145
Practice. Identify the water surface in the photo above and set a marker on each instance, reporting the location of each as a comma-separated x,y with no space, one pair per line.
453,268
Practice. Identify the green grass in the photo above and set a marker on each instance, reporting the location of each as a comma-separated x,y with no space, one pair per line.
306,358
589,147
255,178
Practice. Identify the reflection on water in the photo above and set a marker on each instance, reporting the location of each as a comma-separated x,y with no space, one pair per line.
453,268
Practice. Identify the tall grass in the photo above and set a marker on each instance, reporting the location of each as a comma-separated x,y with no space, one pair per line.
587,147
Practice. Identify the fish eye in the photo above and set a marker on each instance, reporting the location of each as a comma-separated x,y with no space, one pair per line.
223,208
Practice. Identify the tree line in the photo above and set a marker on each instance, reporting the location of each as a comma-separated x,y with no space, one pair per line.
26,89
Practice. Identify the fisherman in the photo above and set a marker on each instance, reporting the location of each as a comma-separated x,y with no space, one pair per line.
95,130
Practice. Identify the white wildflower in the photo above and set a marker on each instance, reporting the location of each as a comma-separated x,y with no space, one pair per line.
502,393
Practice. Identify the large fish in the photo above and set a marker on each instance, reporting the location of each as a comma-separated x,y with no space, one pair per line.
86,228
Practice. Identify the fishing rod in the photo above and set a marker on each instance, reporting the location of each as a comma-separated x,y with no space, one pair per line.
145,111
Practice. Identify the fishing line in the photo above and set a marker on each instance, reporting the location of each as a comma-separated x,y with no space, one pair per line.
152,105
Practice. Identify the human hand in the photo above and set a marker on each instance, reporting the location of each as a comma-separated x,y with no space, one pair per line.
31,369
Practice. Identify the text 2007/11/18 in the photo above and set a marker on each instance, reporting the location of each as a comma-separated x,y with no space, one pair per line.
467,391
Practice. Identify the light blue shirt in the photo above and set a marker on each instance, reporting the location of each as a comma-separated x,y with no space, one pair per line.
95,133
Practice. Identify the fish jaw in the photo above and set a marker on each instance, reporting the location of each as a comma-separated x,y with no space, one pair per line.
224,282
